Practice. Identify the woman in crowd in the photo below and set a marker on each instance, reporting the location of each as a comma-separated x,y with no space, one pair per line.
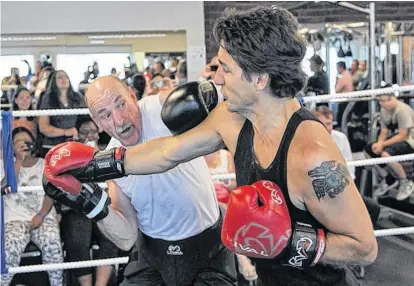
23,100
221,162
59,94
30,215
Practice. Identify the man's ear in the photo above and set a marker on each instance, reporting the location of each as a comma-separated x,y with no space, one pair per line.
261,81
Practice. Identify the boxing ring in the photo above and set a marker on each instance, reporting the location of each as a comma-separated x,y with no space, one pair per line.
360,95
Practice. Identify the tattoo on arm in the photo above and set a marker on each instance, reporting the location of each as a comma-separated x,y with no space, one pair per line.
330,178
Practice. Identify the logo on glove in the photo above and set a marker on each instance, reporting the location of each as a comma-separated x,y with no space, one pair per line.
302,247
174,250
56,157
274,193
255,240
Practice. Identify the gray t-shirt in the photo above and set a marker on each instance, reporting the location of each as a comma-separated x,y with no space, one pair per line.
64,122
401,117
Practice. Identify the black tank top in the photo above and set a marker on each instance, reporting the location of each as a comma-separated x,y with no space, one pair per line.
248,171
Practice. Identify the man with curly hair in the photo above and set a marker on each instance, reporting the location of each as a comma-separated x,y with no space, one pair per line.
297,211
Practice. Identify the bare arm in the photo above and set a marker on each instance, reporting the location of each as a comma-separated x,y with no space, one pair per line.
330,195
383,135
162,154
46,206
401,136
49,130
121,224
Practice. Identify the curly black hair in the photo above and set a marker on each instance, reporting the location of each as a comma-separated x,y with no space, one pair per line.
265,40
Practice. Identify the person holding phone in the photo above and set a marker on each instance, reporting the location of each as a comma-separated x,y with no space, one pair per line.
210,70
159,83
30,215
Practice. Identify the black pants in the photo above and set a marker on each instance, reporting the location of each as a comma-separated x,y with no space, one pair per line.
77,234
199,260
401,148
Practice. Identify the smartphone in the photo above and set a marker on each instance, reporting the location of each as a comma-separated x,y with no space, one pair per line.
158,83
214,68
30,146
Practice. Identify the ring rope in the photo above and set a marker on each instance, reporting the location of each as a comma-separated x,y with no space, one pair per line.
395,89
231,176
68,265
124,260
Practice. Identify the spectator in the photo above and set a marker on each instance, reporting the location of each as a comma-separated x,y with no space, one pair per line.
23,101
113,72
210,69
319,82
78,231
159,83
344,82
181,74
13,79
139,84
30,215
42,84
397,118
355,73
158,67
59,94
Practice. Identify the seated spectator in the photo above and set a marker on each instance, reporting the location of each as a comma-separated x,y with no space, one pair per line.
397,118
221,162
59,94
30,215
78,230
23,100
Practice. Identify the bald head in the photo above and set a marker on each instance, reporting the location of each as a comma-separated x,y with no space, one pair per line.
114,108
102,85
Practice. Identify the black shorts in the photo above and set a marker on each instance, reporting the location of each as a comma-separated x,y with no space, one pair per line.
198,260
401,148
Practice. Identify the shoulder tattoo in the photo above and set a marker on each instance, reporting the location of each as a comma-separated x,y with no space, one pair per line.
330,178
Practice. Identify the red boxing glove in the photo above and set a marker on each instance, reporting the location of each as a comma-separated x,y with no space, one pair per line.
84,163
257,224
254,230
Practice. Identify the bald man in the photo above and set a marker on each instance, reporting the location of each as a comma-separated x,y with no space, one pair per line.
175,214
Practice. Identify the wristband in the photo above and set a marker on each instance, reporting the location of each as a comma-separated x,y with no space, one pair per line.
307,246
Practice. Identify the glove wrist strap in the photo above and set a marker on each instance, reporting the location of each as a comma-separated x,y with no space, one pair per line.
307,246
109,164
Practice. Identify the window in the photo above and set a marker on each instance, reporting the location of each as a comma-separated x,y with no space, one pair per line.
75,65
16,61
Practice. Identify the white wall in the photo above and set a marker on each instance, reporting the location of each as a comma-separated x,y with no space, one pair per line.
84,16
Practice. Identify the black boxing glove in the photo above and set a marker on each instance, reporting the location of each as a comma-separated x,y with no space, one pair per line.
188,105
92,201
307,246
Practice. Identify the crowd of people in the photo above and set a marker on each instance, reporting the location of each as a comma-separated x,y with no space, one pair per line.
134,117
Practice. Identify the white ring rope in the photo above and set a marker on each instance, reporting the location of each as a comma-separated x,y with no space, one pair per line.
124,260
231,176
68,265
319,98
395,89
394,231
